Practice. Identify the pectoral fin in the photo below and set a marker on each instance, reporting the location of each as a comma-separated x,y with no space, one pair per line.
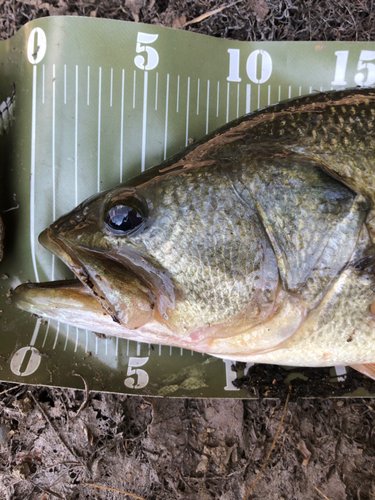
287,317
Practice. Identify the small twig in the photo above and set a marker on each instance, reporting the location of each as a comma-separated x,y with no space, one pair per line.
113,489
269,453
210,13
11,389
204,494
47,490
84,404
323,495
54,430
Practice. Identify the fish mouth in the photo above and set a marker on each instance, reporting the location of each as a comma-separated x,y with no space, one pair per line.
92,300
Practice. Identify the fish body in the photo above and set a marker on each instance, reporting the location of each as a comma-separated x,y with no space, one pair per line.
255,244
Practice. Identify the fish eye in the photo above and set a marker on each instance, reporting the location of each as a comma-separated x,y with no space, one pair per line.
123,218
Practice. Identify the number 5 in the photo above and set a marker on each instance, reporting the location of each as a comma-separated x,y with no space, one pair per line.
142,375
153,56
366,55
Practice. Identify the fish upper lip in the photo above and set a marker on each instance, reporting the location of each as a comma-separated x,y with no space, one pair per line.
62,251
56,246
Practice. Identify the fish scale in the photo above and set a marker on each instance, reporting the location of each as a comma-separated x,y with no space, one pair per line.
208,277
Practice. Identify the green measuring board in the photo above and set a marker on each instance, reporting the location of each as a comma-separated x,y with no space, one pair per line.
98,101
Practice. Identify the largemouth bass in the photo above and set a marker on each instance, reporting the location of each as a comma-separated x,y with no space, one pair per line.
255,244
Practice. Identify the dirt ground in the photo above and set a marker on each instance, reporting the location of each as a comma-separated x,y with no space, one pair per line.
159,448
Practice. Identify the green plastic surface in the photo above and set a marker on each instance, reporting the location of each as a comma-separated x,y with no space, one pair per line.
97,101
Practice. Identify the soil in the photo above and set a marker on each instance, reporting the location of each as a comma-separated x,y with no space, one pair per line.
54,442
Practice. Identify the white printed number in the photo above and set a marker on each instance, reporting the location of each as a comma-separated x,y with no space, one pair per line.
365,66
152,54
25,361
251,66
133,369
363,63
230,375
36,45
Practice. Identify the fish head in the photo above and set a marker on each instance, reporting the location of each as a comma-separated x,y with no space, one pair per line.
159,259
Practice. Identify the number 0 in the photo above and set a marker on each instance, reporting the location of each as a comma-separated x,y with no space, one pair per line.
266,66
36,46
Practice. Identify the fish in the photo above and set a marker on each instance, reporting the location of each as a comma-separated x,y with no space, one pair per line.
255,244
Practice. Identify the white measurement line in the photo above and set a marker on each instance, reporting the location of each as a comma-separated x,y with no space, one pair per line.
88,85
67,337
258,96
111,93
279,93
170,350
116,346
217,99
228,89
156,91
106,346
53,157
64,83
159,350
340,370
300,91
76,346
166,118
310,90
290,92
238,100
36,330
44,77
134,83
181,351
46,334
321,89
178,93
127,347
248,98
144,121
138,349
198,90
76,144
269,95
192,353
32,169
87,341
96,344
99,124
208,105
122,123
187,112
56,336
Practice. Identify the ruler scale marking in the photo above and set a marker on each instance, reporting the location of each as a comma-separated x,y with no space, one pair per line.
99,126
122,123
166,118
187,112
76,144
144,121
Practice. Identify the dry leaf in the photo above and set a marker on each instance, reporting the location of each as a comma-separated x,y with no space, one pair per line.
135,6
260,8
179,22
305,452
